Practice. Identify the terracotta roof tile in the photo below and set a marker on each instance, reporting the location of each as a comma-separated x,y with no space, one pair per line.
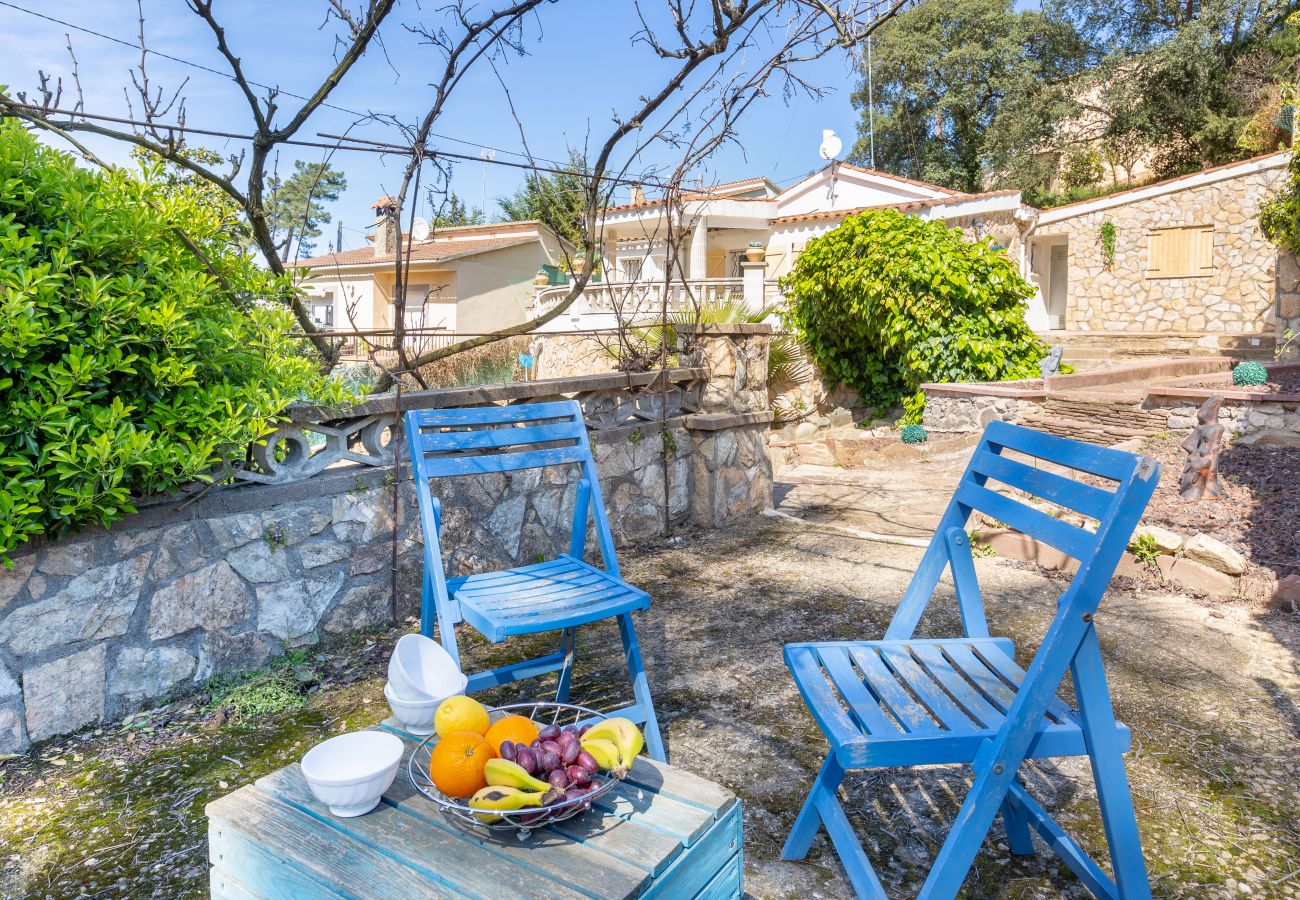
428,251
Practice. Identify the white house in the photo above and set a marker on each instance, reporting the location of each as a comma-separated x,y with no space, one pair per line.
471,279
714,227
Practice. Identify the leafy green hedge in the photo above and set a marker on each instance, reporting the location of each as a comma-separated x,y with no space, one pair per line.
126,366
886,302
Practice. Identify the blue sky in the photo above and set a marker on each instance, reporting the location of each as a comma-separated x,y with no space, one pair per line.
582,66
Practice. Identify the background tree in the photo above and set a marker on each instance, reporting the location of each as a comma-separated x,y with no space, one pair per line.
454,213
298,206
965,87
555,199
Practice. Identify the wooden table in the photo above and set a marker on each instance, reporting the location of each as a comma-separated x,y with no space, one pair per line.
662,832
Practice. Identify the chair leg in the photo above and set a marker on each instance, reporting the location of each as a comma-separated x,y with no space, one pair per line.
1017,828
641,688
1104,752
809,820
568,638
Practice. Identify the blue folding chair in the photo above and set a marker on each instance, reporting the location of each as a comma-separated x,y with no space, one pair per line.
557,595
907,701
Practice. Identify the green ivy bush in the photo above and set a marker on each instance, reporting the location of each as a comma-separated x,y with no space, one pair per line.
887,302
1249,373
126,366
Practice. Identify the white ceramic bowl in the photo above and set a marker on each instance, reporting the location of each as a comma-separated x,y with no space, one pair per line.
420,669
349,773
416,716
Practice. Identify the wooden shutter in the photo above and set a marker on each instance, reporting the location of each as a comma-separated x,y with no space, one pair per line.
715,264
1180,252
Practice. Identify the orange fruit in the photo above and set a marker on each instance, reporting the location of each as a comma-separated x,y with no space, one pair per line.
456,763
461,713
519,729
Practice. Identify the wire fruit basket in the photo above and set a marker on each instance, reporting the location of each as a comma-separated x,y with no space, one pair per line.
522,821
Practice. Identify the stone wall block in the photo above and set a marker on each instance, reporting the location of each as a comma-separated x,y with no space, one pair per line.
291,610
226,651
213,597
363,605
67,559
97,604
14,580
64,694
235,530
261,562
179,551
144,673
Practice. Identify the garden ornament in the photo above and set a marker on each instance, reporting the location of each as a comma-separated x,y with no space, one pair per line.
1050,364
1201,473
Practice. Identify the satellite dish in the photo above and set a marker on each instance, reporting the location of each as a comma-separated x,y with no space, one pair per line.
831,145
420,229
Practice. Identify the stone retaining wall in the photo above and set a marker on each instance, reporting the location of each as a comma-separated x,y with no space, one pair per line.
971,412
97,625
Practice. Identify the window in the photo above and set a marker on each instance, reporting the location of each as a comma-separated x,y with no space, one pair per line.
1180,252
631,268
322,310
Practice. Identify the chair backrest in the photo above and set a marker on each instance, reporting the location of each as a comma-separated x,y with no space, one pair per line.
1013,474
483,439
487,439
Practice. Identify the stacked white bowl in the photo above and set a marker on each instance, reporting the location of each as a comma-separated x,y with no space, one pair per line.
350,773
421,674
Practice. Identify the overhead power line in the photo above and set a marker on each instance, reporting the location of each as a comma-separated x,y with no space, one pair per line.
340,142
134,45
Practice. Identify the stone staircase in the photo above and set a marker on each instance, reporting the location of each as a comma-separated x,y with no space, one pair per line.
1098,421
1088,350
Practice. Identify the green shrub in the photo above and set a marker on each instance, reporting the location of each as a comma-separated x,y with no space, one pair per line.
1249,373
126,366
886,302
914,434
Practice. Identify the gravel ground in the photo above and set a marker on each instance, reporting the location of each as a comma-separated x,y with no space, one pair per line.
1259,514
1211,693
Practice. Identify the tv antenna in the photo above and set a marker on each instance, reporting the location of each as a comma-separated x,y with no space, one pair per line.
487,154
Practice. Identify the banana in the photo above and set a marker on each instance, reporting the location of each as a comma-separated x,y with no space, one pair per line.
508,799
605,753
504,773
624,734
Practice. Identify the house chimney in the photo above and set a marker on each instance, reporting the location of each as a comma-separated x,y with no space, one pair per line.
638,195
387,232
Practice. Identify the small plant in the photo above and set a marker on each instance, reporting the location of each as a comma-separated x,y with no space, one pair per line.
273,689
914,434
1249,373
1108,244
670,444
977,547
913,410
1145,550
636,436
275,536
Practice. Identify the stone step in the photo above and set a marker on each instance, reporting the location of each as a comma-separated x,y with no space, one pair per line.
1102,412
815,453
1085,430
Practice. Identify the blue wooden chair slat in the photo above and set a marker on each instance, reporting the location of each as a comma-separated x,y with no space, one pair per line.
498,415
504,436
971,700
486,464
914,717
907,701
935,699
861,703
1075,495
1069,539
557,595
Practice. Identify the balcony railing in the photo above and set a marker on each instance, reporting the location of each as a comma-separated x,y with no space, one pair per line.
360,347
635,299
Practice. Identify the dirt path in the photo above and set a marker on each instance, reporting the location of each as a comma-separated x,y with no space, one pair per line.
1212,695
